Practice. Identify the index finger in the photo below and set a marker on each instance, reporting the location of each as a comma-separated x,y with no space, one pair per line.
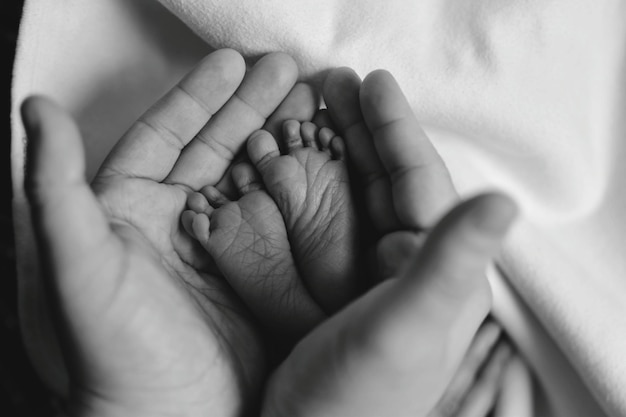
205,160
444,293
150,148
421,186
341,92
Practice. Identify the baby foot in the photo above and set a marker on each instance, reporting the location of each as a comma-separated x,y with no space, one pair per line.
304,217
248,242
308,179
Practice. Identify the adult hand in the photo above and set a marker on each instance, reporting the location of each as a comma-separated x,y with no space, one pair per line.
395,350
407,188
406,183
145,329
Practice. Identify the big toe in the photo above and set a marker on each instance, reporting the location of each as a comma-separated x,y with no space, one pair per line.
262,149
292,140
195,219
246,178
282,175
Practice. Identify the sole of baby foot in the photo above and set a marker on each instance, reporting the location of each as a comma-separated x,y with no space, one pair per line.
248,242
307,177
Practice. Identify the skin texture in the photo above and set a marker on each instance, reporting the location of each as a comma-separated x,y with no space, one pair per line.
289,244
406,188
395,350
145,326
296,195
132,290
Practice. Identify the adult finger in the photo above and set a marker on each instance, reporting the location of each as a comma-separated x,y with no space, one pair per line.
206,158
67,217
450,268
341,93
73,235
153,144
421,186
478,354
300,104
482,396
516,392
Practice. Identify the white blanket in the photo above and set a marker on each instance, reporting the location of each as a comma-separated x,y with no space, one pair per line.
527,96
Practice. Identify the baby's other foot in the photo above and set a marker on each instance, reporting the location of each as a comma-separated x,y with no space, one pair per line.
248,242
307,176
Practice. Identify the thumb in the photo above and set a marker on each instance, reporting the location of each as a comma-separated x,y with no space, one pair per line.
446,282
67,218
427,319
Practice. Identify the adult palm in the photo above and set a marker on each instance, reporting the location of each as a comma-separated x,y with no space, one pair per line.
147,328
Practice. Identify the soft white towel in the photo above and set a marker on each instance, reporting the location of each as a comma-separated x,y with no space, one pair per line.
527,96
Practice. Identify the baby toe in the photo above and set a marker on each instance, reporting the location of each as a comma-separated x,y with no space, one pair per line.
197,225
291,136
200,228
262,149
325,136
308,131
186,220
214,196
198,202
246,178
338,148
